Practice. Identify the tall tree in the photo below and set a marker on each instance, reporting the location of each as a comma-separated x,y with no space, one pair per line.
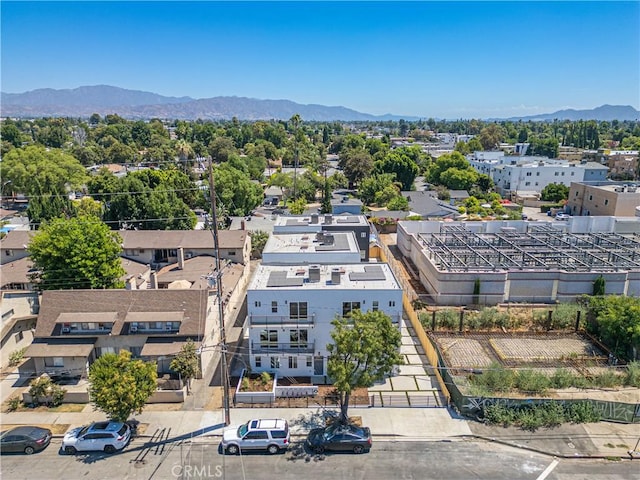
120,386
80,252
186,363
365,348
35,170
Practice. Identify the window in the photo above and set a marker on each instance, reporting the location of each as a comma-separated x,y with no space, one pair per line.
556,174
606,201
528,174
9,253
572,173
293,362
563,174
576,194
269,338
375,306
258,304
298,338
135,351
590,197
19,336
392,303
298,310
54,362
275,362
309,362
537,174
232,253
105,350
526,184
257,435
258,362
363,234
348,307
274,307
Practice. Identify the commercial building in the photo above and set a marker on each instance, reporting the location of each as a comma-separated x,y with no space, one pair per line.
603,198
462,263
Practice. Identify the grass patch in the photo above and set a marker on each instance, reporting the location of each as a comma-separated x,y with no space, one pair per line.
56,428
63,408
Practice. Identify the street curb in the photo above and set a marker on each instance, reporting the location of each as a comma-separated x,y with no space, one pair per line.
543,452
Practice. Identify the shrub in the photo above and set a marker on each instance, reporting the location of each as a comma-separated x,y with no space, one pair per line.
562,378
265,378
552,414
447,318
632,378
582,412
244,385
40,388
13,403
497,414
16,357
496,378
57,395
608,379
531,381
529,418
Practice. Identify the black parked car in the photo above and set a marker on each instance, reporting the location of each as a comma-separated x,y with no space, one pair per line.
339,437
24,439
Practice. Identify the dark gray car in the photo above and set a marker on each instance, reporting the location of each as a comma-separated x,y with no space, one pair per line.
340,438
24,440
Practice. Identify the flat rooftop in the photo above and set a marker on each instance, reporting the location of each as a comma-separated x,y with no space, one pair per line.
319,219
374,276
311,243
458,249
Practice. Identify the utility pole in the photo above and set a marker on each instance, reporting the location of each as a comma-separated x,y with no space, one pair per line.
224,370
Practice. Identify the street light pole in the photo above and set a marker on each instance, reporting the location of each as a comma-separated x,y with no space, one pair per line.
224,372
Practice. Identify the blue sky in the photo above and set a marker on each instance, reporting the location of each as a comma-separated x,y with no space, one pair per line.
428,59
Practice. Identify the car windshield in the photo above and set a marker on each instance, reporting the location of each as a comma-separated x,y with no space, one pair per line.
83,431
242,430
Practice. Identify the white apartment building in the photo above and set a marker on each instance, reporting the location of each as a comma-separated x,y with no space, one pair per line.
290,309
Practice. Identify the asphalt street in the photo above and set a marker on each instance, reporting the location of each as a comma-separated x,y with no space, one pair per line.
161,459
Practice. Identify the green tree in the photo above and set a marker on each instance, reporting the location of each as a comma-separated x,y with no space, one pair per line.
77,253
404,168
236,191
554,192
120,386
258,241
491,136
616,321
298,206
35,171
365,348
186,363
398,203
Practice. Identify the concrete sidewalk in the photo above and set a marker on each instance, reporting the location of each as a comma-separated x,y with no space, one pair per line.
595,440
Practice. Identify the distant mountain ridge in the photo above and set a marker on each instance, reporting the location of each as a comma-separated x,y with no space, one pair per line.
603,112
104,99
136,104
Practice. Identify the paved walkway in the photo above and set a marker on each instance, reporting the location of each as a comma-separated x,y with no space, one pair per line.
412,386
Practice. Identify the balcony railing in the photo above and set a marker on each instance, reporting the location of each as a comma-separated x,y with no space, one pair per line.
273,347
280,320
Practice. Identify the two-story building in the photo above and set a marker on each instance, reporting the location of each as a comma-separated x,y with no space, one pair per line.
75,327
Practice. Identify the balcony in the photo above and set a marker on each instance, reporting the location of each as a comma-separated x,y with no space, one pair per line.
281,321
258,348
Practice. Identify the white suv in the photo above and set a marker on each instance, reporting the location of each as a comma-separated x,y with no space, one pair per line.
271,435
105,436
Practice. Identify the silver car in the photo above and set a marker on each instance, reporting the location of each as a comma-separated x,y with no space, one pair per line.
104,436
271,435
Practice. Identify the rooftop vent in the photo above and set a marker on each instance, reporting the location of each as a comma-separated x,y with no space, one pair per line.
328,219
314,273
335,276
314,218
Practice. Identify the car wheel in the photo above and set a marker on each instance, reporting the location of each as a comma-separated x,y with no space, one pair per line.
109,449
358,449
29,450
319,449
233,450
70,450
273,449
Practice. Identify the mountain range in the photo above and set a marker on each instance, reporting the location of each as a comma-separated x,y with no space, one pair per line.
135,104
